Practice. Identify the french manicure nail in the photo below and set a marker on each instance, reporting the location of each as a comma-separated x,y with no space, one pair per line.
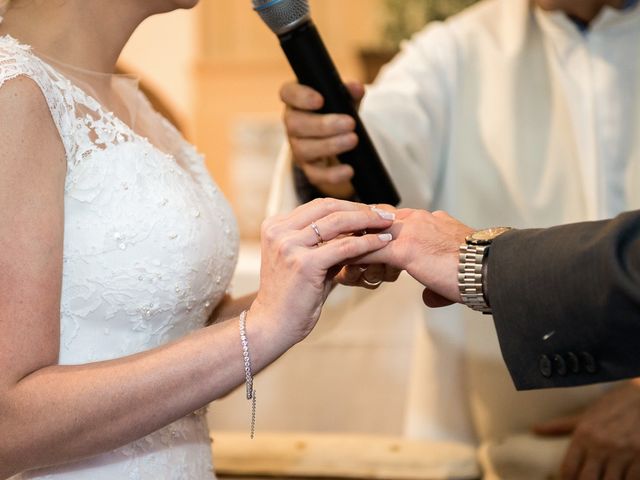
385,237
384,214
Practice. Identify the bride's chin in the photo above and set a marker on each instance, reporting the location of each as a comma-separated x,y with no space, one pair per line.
169,5
185,3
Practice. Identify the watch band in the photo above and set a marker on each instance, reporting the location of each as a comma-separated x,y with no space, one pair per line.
470,273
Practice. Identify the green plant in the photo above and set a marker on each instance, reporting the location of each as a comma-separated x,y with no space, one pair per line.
405,17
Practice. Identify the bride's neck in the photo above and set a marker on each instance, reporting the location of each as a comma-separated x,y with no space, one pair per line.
89,35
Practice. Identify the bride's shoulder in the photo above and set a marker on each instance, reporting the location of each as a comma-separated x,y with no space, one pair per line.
31,103
20,89
29,136
17,60
22,100
28,87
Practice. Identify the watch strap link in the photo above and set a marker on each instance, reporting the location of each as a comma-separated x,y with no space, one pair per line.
470,272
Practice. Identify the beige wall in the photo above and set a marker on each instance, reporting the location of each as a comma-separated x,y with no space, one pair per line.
163,51
242,68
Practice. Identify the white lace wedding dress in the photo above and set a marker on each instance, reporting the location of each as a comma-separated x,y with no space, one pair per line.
150,245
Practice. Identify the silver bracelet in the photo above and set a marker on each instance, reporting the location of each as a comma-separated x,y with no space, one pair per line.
248,374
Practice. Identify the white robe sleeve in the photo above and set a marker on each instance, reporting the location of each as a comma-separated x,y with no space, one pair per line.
407,113
282,195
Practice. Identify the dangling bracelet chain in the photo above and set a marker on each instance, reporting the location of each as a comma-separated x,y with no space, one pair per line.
251,393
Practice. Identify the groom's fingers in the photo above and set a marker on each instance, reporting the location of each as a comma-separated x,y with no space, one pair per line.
374,274
354,275
391,274
351,275
433,300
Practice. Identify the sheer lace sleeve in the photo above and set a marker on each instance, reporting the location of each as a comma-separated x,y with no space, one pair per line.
15,61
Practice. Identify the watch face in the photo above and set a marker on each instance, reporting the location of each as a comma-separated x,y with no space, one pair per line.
486,236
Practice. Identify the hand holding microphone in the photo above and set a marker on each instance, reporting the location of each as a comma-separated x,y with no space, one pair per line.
290,20
316,139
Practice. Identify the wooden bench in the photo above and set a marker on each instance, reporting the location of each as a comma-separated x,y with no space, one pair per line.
339,456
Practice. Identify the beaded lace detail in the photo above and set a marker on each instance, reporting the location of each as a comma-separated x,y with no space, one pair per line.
150,246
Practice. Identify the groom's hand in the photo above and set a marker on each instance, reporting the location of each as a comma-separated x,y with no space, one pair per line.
605,438
426,245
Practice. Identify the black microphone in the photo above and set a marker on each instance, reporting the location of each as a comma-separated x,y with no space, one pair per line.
290,20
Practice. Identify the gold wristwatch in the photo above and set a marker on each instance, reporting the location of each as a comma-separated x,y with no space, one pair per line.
472,265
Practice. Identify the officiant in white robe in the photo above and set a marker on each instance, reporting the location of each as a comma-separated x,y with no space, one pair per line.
505,114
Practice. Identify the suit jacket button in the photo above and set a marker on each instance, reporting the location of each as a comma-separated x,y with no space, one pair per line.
544,364
589,362
574,362
560,365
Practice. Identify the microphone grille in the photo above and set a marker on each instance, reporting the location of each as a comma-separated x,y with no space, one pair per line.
282,15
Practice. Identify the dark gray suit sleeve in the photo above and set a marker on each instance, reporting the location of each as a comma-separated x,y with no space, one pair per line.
566,302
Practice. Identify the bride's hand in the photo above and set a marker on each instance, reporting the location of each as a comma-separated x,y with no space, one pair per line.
301,254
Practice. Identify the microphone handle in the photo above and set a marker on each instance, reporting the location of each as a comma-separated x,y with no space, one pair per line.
313,66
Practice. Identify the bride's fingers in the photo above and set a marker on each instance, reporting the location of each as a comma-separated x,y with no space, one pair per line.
318,208
384,206
313,211
342,249
338,223
384,256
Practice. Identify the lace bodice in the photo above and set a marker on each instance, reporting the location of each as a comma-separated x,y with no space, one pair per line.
150,245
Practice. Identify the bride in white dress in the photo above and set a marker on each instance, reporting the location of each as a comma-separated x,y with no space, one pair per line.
115,249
